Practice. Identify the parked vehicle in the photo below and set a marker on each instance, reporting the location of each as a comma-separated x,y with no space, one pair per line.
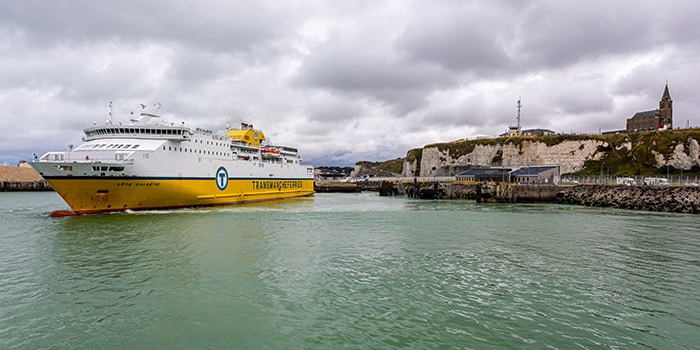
656,181
627,181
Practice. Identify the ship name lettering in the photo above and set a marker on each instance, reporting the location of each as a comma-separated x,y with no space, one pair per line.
276,184
148,184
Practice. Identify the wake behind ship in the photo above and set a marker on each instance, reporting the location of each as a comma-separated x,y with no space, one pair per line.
150,164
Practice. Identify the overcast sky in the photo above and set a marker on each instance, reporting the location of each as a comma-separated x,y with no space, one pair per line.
343,81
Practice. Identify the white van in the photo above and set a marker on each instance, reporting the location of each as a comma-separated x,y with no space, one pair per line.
656,181
627,181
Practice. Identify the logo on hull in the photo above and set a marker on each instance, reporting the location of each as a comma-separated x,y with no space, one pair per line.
221,178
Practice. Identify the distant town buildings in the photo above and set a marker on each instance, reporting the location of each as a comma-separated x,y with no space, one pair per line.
657,119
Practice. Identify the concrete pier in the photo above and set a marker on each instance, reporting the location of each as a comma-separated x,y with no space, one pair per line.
502,192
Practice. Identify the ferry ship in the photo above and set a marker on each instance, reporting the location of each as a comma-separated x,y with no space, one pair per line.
151,164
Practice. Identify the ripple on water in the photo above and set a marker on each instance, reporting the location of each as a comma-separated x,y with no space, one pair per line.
355,271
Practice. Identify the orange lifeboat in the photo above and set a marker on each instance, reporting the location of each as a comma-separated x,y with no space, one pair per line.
270,152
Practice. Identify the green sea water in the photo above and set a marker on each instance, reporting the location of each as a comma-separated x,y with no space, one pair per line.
352,271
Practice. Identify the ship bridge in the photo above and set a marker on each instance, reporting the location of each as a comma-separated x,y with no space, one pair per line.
141,129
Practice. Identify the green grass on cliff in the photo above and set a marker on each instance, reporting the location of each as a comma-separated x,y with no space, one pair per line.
394,166
640,160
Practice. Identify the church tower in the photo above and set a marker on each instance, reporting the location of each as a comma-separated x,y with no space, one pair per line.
665,111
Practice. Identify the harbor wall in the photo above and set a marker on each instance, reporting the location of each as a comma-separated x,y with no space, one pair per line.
679,199
493,192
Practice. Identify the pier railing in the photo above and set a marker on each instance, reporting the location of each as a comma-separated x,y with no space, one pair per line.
405,179
673,180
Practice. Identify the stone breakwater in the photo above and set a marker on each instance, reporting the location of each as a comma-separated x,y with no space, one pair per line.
648,198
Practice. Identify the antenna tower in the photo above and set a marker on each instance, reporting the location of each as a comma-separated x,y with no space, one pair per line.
519,106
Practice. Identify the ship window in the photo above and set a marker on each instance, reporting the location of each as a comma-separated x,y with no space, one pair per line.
116,168
170,148
135,146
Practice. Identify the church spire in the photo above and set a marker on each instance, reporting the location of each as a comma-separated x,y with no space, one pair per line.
665,111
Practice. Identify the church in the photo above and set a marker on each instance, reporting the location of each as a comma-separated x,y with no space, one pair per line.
657,119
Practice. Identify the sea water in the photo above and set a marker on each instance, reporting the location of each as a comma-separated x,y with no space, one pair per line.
355,271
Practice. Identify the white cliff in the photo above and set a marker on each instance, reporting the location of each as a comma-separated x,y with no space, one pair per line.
570,155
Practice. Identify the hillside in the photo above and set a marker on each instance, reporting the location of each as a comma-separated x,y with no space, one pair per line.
389,168
620,154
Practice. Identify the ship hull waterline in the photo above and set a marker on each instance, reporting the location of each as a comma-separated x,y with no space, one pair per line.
101,195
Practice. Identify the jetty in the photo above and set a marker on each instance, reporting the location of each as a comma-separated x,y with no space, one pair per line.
334,186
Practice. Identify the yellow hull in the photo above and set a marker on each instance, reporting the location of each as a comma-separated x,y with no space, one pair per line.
90,195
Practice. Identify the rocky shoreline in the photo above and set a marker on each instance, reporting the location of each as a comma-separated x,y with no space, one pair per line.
647,198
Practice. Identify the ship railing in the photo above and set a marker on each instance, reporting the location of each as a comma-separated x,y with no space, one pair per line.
119,157
53,157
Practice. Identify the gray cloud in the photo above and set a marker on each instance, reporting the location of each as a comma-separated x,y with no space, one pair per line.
342,81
